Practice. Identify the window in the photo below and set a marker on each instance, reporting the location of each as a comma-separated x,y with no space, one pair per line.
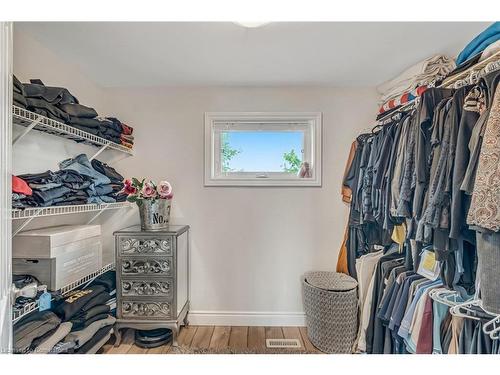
263,149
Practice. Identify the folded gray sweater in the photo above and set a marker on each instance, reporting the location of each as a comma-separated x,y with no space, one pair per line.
81,337
61,332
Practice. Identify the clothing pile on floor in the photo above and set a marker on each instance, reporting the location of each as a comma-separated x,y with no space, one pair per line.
413,81
81,323
78,181
427,183
59,104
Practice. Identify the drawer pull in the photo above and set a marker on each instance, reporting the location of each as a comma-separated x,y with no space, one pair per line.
146,309
146,246
146,288
146,267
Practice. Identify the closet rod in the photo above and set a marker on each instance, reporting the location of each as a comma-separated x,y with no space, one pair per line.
405,107
480,66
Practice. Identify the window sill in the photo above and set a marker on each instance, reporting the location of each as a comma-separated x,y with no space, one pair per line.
264,182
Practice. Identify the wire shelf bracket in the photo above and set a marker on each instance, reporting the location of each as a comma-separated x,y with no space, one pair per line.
97,214
100,151
27,130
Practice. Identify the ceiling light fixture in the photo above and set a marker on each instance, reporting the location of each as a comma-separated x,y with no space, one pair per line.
251,25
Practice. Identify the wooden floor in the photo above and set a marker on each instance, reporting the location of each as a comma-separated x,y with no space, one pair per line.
215,337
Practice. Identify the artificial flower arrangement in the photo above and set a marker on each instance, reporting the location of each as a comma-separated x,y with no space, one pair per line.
138,190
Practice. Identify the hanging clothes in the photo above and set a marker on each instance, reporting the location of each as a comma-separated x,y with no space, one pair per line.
422,182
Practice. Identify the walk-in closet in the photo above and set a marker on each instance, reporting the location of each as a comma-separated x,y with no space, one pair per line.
250,188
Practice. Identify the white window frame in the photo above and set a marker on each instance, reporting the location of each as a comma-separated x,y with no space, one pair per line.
216,122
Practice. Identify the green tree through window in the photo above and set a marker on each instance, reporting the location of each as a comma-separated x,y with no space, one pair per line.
227,153
291,162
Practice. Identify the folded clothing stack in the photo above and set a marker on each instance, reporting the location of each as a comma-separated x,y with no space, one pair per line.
81,322
59,104
423,73
78,181
34,330
401,100
113,189
88,313
108,281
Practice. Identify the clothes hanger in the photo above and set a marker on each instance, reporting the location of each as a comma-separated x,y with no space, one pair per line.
446,297
464,310
492,328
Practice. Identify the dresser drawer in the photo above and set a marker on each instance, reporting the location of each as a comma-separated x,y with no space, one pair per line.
145,246
161,266
145,310
148,288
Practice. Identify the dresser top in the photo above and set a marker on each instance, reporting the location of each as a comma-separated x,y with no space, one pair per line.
172,230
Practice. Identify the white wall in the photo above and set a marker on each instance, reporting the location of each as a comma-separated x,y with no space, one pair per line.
249,246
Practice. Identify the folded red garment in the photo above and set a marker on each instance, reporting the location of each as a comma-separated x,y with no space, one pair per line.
127,129
127,138
127,144
20,186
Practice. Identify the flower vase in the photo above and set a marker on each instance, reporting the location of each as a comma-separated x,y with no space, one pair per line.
154,213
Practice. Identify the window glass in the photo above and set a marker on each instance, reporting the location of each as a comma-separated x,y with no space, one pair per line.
262,151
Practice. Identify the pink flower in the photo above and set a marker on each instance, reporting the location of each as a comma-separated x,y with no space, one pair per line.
165,190
128,188
148,190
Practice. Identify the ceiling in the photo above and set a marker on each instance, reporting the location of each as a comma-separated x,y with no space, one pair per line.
349,54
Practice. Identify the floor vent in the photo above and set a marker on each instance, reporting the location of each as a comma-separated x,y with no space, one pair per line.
282,343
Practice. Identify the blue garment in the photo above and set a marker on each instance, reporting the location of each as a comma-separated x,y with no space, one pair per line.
399,312
480,42
411,346
82,165
439,311
404,329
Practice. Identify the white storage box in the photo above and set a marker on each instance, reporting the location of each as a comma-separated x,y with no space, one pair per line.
58,256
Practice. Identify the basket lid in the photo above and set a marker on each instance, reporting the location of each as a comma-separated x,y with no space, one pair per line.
330,281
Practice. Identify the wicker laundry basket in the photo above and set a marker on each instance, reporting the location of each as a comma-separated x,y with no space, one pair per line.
331,306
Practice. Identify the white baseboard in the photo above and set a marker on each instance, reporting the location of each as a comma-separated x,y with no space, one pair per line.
247,318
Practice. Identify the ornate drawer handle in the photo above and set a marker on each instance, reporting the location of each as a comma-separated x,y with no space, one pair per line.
145,246
148,309
151,266
146,288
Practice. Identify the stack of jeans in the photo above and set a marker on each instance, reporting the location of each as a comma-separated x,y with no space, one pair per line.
77,182
55,189
116,185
